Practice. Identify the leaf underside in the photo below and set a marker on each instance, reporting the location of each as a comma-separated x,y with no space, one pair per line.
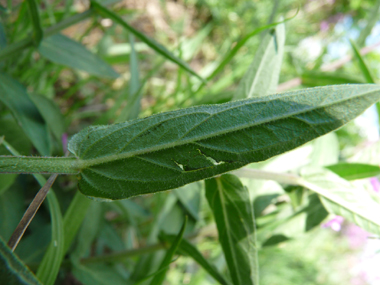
168,150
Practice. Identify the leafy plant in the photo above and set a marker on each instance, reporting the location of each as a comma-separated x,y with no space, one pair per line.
252,128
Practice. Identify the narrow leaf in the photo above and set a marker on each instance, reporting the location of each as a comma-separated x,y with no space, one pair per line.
341,198
230,55
318,78
51,114
12,270
233,214
150,42
352,171
159,278
15,97
363,66
49,267
35,17
168,150
186,248
63,50
262,76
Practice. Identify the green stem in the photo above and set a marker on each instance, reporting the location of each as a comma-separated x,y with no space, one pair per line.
29,164
17,47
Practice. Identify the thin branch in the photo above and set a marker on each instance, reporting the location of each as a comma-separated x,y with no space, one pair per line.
30,213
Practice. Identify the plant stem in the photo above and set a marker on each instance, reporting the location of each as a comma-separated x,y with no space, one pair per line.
29,164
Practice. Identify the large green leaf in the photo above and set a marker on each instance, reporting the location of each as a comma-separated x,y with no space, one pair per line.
342,198
12,270
233,214
262,76
168,150
15,97
63,50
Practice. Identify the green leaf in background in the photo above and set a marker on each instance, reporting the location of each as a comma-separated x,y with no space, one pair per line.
316,212
362,64
51,114
132,109
15,97
63,50
318,78
233,214
49,267
371,22
352,171
168,150
12,270
186,248
38,34
3,37
262,76
341,198
159,278
150,42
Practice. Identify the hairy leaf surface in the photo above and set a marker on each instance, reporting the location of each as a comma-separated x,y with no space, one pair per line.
168,150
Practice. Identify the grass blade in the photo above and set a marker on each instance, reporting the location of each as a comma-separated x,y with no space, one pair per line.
38,33
12,270
150,42
362,64
263,74
233,214
159,278
48,270
186,248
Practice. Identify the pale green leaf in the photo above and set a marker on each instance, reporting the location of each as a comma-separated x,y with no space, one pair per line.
12,270
233,214
341,198
262,76
15,97
168,150
63,50
352,171
362,64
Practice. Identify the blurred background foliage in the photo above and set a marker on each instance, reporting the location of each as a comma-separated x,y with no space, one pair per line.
127,79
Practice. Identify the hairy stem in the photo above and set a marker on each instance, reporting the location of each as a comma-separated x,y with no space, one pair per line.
29,164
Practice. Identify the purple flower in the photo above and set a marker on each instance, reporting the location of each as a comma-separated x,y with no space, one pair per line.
335,223
324,26
375,184
64,142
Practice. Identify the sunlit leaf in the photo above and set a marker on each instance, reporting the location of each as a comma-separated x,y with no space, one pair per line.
352,171
263,74
341,198
168,150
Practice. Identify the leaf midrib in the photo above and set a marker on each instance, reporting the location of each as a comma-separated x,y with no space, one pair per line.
84,163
